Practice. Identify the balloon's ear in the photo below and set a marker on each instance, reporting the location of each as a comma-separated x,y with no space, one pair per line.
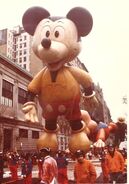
82,19
32,17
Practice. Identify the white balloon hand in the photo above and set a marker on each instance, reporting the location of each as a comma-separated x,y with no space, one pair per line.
30,111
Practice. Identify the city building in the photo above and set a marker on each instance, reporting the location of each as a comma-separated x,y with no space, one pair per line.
15,132
3,41
16,45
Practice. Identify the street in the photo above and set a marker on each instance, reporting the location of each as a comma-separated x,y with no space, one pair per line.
35,173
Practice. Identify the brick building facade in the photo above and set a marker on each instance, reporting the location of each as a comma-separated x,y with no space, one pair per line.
15,133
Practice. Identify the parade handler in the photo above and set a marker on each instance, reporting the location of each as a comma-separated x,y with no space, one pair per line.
56,42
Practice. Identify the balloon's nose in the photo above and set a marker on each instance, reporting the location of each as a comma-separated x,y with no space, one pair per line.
46,43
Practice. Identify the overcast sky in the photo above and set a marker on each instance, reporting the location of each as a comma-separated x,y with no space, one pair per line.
105,51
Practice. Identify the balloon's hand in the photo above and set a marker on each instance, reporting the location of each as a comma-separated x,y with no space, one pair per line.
30,111
99,143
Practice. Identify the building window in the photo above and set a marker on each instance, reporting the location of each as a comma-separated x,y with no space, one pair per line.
15,40
23,133
25,51
24,59
24,37
20,60
35,134
7,93
14,47
20,53
25,44
61,140
14,60
14,55
24,66
22,96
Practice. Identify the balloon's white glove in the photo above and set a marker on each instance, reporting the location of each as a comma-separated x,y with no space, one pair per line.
30,111
99,143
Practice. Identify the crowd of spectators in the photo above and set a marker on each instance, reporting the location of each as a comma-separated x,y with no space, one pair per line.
24,162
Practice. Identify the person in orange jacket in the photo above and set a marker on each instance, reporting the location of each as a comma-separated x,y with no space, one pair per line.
84,170
113,165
